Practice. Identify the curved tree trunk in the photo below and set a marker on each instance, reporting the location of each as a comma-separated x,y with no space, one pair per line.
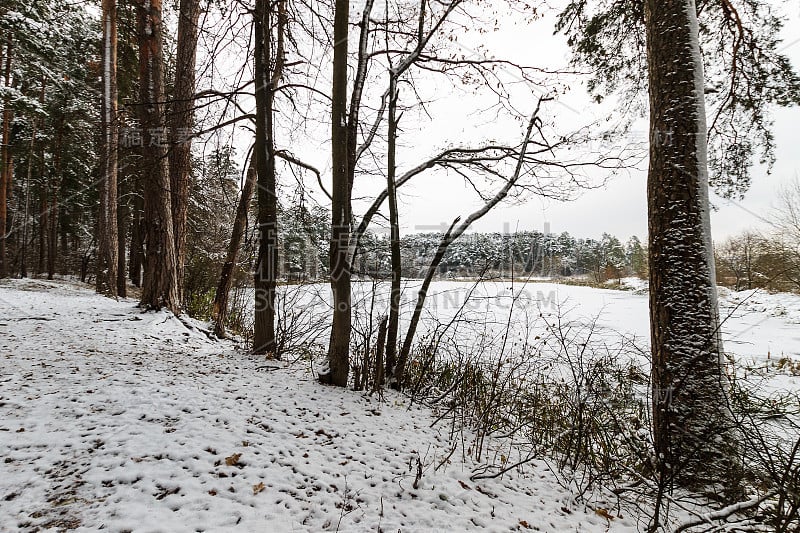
453,233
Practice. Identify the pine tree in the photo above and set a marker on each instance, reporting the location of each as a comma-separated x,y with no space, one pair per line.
693,438
160,287
107,254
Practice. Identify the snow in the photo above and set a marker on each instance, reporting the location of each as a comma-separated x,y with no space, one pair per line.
127,421
701,151
756,326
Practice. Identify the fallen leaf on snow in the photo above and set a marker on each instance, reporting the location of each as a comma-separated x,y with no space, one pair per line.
604,513
258,487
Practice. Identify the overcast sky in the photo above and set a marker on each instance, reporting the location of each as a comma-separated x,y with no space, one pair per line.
619,207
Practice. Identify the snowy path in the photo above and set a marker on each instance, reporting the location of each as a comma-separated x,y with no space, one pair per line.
117,420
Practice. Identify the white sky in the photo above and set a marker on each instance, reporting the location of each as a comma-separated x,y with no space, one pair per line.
619,207
433,199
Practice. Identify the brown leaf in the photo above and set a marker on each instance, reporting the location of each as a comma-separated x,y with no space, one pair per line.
233,460
258,487
525,524
604,513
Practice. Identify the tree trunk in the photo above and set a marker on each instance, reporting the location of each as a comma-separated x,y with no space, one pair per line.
55,188
181,121
122,233
394,224
220,308
339,346
160,287
5,160
405,352
44,219
23,264
690,413
107,215
268,71
136,253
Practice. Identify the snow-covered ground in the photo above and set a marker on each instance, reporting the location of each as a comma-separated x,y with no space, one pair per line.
757,326
119,420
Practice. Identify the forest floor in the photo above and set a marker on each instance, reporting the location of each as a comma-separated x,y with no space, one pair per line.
115,419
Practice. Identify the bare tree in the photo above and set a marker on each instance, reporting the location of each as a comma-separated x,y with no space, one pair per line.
787,220
423,37
339,345
268,72
454,232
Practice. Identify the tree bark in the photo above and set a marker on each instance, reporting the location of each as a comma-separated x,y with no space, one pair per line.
268,72
55,189
5,160
181,122
690,409
136,252
23,268
122,233
394,225
107,220
339,345
220,308
160,286
44,213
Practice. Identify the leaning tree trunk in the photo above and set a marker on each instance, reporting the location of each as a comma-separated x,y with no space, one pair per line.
160,287
107,219
453,233
181,121
690,410
220,308
339,346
